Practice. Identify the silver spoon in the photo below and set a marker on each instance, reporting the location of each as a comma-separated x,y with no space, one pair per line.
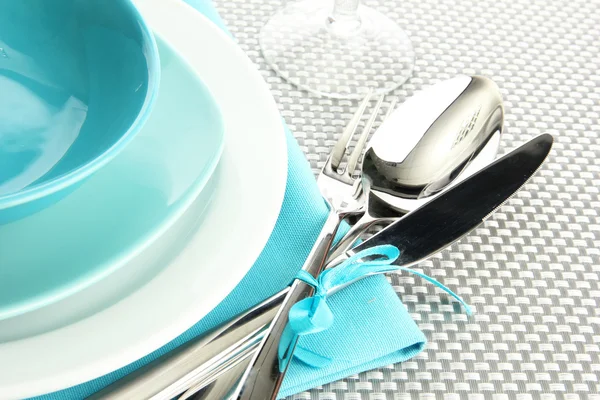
425,146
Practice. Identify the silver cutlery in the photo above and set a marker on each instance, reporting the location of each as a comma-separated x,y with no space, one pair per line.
198,364
429,229
456,212
458,121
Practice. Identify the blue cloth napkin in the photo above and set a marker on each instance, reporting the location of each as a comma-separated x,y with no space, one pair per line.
371,328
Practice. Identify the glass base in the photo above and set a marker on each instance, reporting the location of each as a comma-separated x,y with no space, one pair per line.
343,58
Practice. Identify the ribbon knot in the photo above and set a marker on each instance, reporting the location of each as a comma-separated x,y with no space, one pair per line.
313,314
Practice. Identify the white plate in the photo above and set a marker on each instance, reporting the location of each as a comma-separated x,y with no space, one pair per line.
247,199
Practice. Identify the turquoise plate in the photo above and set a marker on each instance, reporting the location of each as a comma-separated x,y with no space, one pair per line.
124,207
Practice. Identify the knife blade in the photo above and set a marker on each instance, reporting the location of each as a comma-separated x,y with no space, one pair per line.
420,234
455,213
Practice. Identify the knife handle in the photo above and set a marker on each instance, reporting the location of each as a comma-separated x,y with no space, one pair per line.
262,379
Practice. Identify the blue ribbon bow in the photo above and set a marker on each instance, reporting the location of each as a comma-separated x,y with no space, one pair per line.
313,314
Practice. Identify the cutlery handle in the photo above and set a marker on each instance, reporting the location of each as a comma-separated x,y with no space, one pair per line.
221,384
262,379
199,360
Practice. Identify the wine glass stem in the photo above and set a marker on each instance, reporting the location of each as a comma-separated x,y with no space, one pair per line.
345,9
344,20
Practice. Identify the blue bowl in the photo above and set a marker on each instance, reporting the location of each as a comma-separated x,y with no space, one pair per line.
125,223
77,81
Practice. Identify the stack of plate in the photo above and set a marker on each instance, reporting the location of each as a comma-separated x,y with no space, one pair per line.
134,256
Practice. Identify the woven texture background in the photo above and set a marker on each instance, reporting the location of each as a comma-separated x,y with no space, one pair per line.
532,271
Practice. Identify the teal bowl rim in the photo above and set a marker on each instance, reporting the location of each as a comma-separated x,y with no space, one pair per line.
83,171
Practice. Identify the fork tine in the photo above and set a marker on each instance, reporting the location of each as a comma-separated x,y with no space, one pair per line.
342,144
362,140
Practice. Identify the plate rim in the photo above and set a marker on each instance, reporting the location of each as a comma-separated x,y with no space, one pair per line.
274,180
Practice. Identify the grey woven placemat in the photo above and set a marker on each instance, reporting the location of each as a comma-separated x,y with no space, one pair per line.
533,270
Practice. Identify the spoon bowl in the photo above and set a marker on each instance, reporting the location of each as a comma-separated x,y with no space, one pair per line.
431,138
425,146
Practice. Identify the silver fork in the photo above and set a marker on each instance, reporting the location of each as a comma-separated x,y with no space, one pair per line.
262,379
208,366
